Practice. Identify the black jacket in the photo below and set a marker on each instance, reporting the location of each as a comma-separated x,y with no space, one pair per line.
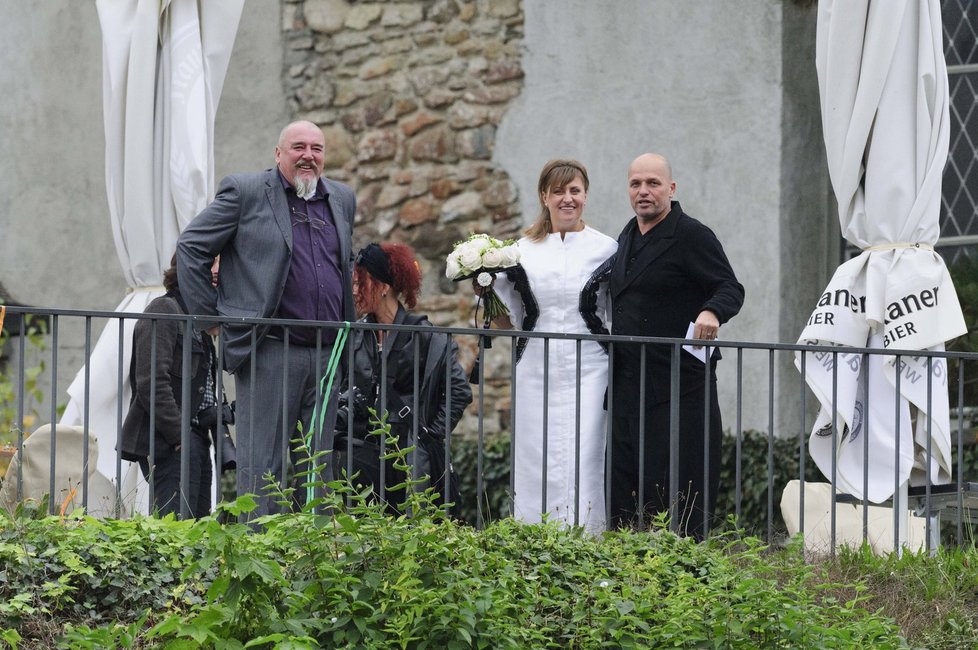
434,351
134,442
658,286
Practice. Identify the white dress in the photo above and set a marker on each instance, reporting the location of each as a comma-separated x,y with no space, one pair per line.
557,270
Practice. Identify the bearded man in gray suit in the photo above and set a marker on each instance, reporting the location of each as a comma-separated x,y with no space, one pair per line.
284,239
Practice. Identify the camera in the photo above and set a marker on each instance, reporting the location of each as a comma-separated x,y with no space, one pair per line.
207,419
360,413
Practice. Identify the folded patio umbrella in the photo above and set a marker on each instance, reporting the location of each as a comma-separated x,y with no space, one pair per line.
884,102
164,63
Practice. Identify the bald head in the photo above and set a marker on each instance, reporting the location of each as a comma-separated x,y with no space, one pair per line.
299,155
298,126
650,189
647,160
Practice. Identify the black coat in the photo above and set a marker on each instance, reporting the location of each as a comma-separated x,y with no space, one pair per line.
433,353
658,286
134,442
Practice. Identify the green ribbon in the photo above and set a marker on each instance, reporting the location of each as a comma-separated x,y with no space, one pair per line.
335,355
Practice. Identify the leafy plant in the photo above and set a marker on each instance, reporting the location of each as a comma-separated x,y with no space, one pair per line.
760,485
495,496
356,577
754,485
964,272
12,386
341,571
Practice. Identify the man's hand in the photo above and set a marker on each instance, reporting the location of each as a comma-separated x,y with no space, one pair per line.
706,326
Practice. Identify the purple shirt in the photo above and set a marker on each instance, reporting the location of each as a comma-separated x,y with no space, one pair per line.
314,287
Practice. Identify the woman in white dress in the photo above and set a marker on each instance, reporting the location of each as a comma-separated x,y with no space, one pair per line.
559,253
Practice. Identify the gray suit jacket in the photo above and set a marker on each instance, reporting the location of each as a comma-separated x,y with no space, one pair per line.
248,225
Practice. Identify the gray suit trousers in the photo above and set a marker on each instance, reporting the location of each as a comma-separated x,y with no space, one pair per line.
277,389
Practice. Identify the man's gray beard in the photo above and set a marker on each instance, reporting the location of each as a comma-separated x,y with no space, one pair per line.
304,187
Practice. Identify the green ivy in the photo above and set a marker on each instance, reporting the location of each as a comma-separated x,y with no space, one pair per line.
756,488
359,578
341,572
760,486
753,505
965,275
11,384
495,477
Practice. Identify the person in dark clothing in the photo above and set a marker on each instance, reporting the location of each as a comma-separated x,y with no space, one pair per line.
151,432
670,274
386,282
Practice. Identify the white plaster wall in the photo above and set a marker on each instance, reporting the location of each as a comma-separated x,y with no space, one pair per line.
700,82
56,246
253,109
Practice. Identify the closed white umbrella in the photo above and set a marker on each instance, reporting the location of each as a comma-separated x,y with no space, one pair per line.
164,63
884,101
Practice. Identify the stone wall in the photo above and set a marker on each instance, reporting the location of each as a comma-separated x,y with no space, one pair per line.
409,96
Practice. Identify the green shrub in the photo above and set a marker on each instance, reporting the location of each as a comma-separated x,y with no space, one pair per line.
338,575
752,507
495,502
756,491
965,274
29,388
363,579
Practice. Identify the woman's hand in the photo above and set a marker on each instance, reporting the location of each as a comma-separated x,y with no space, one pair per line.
501,322
478,289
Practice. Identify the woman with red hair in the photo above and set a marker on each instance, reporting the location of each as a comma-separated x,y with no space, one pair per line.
386,283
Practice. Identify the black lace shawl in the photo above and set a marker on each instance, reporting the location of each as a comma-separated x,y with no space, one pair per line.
588,304
531,310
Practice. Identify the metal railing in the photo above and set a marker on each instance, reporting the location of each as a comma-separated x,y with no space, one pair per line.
930,500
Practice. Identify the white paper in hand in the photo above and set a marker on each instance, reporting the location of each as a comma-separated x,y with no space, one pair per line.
699,353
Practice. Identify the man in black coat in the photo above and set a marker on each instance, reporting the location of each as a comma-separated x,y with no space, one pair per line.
670,271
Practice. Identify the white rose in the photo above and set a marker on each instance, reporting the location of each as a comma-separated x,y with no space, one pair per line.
492,258
469,256
452,268
510,255
482,243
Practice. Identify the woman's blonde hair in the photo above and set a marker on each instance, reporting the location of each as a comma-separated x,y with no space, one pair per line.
555,174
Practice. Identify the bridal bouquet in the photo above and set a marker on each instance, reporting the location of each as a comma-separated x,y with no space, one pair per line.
480,257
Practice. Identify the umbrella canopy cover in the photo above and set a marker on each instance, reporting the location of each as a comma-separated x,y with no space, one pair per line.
884,104
164,63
